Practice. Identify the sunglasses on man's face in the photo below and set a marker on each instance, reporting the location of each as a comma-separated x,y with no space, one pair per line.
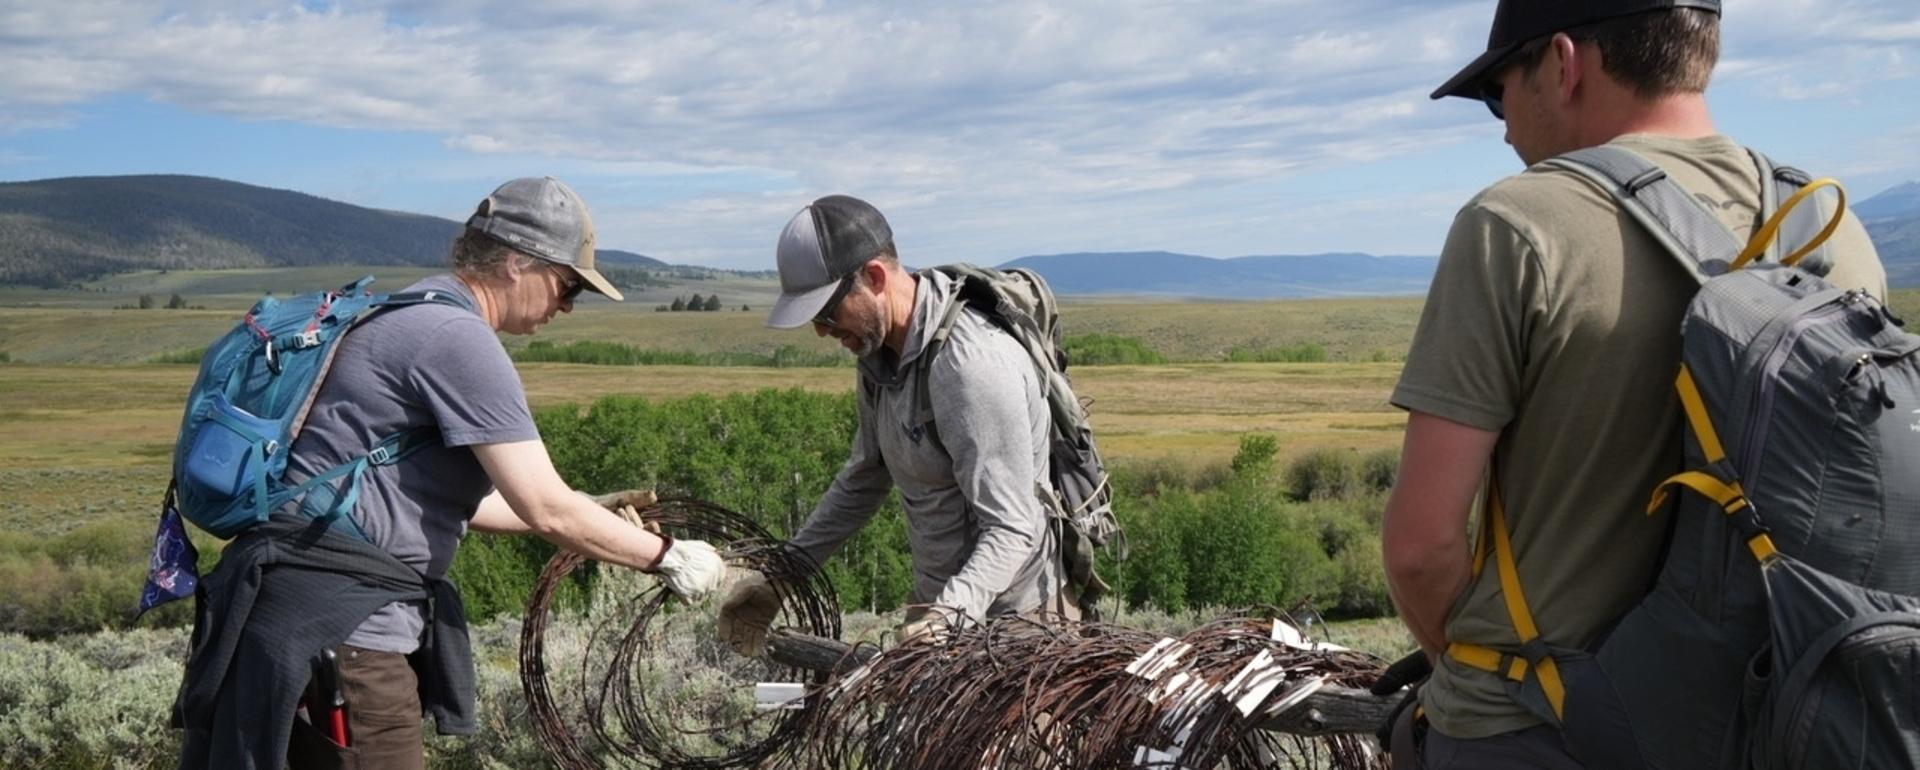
571,284
824,318
1492,93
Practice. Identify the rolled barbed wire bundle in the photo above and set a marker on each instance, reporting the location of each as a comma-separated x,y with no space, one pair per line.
1015,693
639,709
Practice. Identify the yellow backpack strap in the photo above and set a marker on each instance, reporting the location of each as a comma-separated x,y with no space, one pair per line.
1767,232
1533,648
1722,489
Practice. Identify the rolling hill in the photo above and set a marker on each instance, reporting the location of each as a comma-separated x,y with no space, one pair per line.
1893,220
1165,274
60,232
55,232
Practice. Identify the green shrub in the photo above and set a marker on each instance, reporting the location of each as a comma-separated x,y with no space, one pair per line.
1254,460
1324,474
1148,478
96,701
86,579
1303,353
1379,469
1349,534
5,357
1109,349
769,454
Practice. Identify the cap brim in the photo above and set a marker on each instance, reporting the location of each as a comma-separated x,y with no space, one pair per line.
1466,83
792,311
599,283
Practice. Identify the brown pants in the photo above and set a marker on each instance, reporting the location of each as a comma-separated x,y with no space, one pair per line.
383,718
1534,747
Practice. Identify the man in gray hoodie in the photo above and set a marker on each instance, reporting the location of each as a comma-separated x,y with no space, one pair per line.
976,525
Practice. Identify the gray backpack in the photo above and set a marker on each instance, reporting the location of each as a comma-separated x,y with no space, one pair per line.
1783,629
1078,494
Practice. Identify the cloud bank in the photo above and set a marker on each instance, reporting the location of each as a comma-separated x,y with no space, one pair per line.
985,130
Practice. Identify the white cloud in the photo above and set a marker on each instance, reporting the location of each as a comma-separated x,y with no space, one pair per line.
994,125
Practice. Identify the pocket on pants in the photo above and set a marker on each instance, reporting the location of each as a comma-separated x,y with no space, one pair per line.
310,749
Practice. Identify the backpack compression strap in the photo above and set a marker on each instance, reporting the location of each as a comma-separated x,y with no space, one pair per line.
1718,482
1533,657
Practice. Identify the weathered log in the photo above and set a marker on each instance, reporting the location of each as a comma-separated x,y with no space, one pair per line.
1329,711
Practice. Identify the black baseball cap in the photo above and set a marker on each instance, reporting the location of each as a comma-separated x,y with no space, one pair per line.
1517,21
823,244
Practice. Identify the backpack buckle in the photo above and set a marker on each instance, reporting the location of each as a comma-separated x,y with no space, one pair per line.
307,339
379,456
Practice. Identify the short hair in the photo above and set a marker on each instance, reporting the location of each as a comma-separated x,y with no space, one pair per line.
477,254
887,255
1656,53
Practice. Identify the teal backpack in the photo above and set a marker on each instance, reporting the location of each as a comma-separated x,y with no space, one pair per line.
246,408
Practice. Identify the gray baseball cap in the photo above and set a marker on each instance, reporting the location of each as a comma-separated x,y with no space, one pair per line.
546,219
823,244
1517,21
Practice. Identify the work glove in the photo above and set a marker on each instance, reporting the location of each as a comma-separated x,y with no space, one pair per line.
691,568
933,627
1406,673
747,615
640,499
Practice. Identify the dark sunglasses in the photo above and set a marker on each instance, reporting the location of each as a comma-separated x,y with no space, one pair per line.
571,283
825,316
1492,93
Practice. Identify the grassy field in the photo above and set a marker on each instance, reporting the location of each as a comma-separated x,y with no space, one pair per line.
86,425
79,442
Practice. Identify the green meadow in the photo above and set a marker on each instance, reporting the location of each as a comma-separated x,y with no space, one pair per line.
87,417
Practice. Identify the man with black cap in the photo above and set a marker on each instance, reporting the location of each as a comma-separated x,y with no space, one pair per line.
361,607
969,482
1540,378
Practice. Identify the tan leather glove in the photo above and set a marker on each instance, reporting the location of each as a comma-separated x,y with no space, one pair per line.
637,498
933,626
747,615
692,569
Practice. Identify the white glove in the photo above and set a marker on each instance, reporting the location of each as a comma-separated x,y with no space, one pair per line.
692,569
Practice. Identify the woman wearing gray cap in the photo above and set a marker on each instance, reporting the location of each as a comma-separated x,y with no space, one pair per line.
360,616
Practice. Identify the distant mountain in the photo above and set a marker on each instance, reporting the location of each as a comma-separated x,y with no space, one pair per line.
1893,221
617,258
1893,203
1160,273
58,231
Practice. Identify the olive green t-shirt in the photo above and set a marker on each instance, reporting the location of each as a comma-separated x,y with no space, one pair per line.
1554,319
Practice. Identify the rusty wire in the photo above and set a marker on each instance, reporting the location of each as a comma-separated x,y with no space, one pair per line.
640,711
1019,694
1012,693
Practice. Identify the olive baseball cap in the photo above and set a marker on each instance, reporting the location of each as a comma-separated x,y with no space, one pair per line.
546,219
1517,21
823,244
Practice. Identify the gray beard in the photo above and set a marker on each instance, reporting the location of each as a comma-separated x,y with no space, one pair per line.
870,343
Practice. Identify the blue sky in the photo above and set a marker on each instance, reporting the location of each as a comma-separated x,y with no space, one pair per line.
985,130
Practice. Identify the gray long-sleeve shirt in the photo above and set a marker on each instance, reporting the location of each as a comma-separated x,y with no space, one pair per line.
975,523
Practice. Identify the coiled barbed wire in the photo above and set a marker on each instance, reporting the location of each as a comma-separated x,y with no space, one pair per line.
1011,693
636,713
1017,693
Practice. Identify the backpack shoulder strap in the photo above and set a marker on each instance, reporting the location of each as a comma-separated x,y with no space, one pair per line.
1802,225
923,366
1698,241
449,298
